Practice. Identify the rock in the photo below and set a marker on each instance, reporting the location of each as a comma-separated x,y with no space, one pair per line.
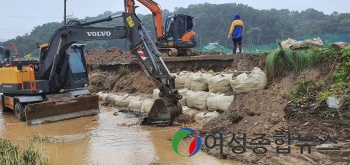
274,118
339,45
333,102
288,43
266,126
307,43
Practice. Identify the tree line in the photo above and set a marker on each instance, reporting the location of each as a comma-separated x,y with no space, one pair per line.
212,23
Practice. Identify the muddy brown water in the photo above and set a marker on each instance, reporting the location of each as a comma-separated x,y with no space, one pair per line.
102,139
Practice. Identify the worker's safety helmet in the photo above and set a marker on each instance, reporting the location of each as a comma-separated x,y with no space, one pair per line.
236,16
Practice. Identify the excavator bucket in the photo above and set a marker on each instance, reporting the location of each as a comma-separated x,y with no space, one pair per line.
51,111
162,113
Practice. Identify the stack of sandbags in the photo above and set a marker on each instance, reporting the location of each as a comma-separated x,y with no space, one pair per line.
244,83
181,78
219,101
220,83
197,99
198,81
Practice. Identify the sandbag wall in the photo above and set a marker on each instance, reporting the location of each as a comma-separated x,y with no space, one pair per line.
205,93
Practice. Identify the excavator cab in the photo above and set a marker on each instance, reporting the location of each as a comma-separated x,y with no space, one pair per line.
77,76
178,31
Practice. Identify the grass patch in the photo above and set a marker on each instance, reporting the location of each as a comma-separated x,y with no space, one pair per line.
40,138
14,155
304,91
281,61
232,116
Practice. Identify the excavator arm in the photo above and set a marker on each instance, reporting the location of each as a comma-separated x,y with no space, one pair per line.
156,12
168,106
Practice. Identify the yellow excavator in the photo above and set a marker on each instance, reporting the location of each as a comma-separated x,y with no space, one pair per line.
54,88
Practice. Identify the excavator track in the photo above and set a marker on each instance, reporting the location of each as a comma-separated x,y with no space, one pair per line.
173,52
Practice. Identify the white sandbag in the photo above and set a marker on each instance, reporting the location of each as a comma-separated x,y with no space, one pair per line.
147,105
102,96
197,99
200,81
188,81
212,115
220,83
189,111
219,101
155,94
183,94
123,101
135,105
244,83
181,78
199,116
111,98
207,116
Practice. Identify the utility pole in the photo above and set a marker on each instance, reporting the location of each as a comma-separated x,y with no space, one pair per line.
64,15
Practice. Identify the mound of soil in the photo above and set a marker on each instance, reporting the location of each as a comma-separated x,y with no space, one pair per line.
264,112
129,82
110,55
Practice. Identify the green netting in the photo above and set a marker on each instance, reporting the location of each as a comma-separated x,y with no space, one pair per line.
327,40
214,48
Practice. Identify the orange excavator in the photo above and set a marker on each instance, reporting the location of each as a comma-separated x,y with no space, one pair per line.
177,37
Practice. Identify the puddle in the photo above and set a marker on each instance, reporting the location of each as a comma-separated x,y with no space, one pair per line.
108,138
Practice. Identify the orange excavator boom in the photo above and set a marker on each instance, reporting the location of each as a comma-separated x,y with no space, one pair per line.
156,11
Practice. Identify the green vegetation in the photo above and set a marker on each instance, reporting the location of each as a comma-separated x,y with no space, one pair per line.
40,138
232,115
283,61
304,90
309,96
14,155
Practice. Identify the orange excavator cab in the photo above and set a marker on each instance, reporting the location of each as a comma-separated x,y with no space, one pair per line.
177,36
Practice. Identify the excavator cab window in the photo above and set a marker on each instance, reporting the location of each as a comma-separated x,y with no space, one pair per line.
169,29
176,26
78,66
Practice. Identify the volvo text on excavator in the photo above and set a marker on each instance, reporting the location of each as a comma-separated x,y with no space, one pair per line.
176,38
54,88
